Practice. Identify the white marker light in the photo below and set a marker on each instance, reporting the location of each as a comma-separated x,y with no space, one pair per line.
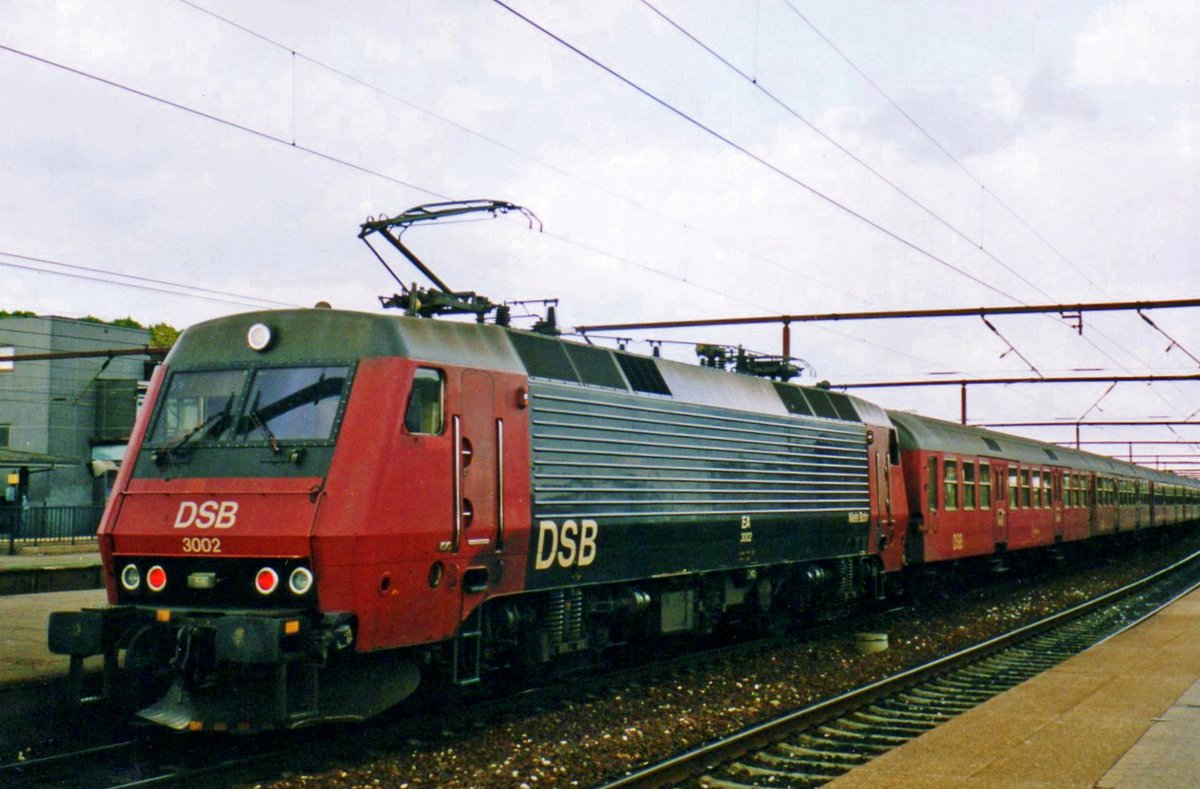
259,337
300,581
131,579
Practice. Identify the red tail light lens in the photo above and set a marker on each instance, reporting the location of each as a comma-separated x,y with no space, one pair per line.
266,581
156,579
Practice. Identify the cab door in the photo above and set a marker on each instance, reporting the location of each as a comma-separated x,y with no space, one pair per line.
480,430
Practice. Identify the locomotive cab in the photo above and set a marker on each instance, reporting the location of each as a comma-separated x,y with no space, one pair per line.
212,538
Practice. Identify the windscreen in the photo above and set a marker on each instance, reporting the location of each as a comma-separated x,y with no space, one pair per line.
293,402
199,404
247,406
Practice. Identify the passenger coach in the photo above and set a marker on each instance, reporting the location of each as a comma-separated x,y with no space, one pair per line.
976,492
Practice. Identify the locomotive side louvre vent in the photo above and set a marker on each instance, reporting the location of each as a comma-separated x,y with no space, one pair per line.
793,399
643,374
595,366
992,445
544,357
1050,453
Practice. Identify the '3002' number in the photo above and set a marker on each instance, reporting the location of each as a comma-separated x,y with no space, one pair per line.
201,544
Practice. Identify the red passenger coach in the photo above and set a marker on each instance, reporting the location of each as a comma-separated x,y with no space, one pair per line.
976,492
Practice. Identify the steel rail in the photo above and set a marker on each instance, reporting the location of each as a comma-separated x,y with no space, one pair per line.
55,759
684,765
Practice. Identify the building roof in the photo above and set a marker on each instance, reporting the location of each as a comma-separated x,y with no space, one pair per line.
16,458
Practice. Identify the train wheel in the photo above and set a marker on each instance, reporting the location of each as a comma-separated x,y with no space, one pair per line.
147,671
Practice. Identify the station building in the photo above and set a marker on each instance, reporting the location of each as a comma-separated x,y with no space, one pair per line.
64,420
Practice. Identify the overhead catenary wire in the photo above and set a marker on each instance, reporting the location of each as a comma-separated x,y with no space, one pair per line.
725,140
479,135
108,281
958,163
152,280
294,53
266,136
789,109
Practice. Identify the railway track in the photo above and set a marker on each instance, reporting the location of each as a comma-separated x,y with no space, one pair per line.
145,757
150,757
142,762
812,746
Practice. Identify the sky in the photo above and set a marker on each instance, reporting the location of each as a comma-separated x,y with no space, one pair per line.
687,160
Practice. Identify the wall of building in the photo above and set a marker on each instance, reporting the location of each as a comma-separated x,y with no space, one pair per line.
51,406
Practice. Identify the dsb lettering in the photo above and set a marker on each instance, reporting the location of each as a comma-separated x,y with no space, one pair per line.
571,545
209,514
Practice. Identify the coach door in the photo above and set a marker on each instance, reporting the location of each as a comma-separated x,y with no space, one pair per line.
479,432
1000,502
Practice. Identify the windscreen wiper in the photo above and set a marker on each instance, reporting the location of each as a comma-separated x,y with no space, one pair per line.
266,431
170,449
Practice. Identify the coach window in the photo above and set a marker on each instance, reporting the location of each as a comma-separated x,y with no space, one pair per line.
1025,500
426,402
950,496
968,485
1013,487
985,486
1035,489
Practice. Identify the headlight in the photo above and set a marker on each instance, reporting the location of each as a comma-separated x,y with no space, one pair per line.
131,578
300,581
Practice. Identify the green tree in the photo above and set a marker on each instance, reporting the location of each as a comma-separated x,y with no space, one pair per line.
163,335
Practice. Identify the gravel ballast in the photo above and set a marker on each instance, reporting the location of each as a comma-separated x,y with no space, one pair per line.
581,739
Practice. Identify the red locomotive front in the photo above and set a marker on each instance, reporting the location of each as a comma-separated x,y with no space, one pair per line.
302,501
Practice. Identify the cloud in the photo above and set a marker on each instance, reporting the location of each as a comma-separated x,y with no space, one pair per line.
1139,43
964,125
1048,96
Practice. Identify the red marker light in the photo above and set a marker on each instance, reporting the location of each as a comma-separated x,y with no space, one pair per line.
266,581
156,579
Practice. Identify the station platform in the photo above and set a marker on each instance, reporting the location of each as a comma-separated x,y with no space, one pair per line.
51,568
24,656
1123,715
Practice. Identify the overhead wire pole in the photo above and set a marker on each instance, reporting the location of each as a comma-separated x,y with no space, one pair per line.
1056,379
1077,424
1067,311
1030,309
963,383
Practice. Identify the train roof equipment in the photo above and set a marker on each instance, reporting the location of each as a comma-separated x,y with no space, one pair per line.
439,300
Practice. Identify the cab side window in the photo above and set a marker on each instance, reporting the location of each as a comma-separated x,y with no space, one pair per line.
426,403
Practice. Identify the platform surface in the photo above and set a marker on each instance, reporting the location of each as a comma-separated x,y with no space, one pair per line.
24,656
47,559
1121,715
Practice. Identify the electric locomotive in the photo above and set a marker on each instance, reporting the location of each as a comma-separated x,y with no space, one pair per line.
319,508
